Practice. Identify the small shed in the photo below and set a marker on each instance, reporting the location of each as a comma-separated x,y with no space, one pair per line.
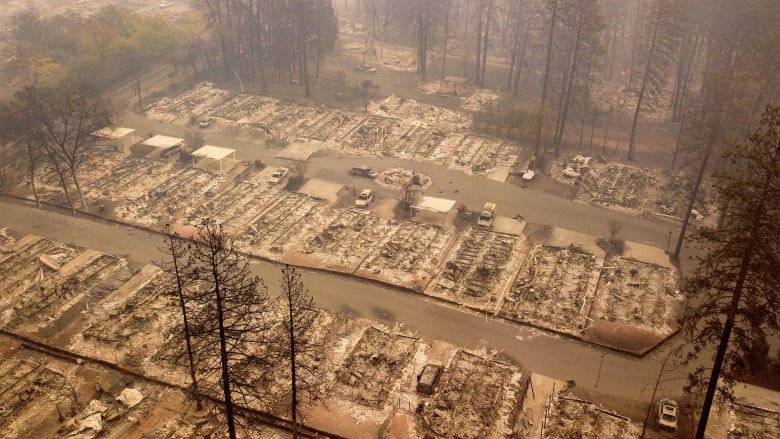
215,153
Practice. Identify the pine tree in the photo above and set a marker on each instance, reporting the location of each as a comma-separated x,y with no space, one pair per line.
736,285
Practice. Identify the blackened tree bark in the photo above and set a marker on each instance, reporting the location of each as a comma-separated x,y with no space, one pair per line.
175,248
301,346
233,324
740,272
545,81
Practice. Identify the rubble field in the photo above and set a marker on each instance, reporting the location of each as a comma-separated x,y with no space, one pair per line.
554,289
131,177
394,127
410,255
420,142
750,422
171,199
403,252
369,372
476,398
409,109
631,189
132,320
272,222
478,268
480,100
26,384
181,108
569,417
283,223
396,178
477,155
128,328
638,294
44,302
375,135
619,186
47,181
44,396
29,260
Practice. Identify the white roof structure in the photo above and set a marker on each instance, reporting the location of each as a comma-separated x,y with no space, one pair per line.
162,141
215,153
113,133
438,205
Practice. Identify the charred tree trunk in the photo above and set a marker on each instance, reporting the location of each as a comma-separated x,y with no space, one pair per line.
572,73
477,64
538,147
645,77
521,62
446,38
485,42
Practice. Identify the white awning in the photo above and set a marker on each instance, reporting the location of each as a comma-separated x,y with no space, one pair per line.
162,141
113,133
215,153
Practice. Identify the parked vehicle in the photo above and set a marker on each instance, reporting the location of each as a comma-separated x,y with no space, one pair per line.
363,171
429,378
365,197
667,414
487,216
205,122
365,68
278,175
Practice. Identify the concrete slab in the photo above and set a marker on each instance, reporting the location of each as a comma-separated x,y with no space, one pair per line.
300,151
327,190
564,237
135,283
501,173
646,253
508,225
25,242
78,262
439,205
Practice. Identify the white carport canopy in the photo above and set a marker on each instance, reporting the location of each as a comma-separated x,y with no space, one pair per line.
215,153
162,141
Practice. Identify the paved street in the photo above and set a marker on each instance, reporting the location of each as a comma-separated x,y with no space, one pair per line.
512,199
620,376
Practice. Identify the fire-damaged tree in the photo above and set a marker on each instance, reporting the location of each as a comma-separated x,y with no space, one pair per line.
63,118
175,249
230,325
252,34
300,346
657,52
22,140
736,286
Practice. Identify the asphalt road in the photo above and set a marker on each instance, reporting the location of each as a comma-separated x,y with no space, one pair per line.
472,191
619,376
